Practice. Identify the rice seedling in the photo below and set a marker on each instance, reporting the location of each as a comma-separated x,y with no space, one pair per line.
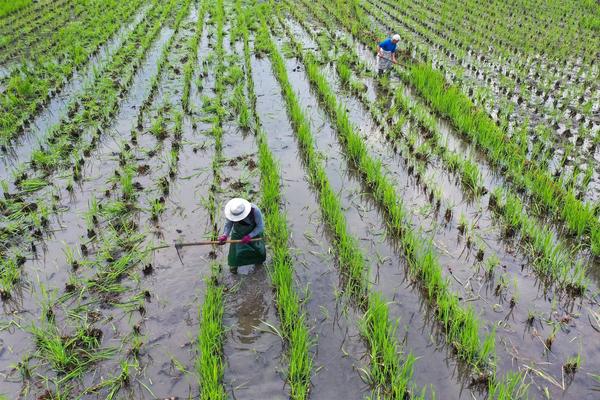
384,347
460,325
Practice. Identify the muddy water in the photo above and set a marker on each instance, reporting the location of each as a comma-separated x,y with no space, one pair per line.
338,348
537,115
254,368
171,323
253,352
49,268
57,107
452,251
368,227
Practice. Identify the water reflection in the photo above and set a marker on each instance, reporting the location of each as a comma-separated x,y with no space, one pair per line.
249,306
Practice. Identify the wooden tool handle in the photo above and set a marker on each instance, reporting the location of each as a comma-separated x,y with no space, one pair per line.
208,242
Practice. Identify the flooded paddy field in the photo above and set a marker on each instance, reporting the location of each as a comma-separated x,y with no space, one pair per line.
432,230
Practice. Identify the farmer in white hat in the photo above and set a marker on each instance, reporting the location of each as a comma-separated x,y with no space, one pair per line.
244,222
386,53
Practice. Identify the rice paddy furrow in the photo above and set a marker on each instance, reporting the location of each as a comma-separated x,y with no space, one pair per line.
471,349
104,282
30,44
551,260
524,294
338,348
67,136
505,154
31,89
20,16
210,363
391,377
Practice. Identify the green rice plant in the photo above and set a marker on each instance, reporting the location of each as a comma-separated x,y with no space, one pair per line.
240,107
10,275
33,184
157,207
572,364
346,247
192,55
210,341
70,355
159,128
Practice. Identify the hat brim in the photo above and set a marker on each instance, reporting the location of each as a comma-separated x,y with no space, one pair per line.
236,218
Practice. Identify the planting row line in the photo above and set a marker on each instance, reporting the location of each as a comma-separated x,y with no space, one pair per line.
504,98
24,212
486,216
461,326
552,262
390,375
28,90
38,39
113,226
210,365
502,152
291,316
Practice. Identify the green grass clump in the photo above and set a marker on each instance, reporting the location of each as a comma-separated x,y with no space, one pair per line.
210,340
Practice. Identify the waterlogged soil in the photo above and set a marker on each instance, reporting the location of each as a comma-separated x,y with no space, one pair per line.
385,263
57,107
49,267
254,353
460,264
339,351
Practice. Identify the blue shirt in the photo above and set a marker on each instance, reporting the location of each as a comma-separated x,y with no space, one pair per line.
258,220
388,45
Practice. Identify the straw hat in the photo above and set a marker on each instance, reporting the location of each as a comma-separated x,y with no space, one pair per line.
237,209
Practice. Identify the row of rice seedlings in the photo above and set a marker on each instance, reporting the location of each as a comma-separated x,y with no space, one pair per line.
580,219
281,271
71,355
191,58
552,262
391,376
552,258
552,269
113,226
63,149
460,324
28,89
43,37
7,9
120,249
210,365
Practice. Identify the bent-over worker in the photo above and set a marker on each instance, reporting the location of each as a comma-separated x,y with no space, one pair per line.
386,53
244,222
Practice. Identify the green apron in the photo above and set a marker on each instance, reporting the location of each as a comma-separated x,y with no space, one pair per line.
245,254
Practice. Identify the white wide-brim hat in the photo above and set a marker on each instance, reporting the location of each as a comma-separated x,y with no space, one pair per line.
237,209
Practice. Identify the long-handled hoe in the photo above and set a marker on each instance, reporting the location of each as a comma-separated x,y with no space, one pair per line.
179,245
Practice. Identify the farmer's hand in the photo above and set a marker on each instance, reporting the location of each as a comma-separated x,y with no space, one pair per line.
222,239
246,239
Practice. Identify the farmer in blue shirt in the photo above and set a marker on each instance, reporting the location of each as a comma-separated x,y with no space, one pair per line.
386,53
